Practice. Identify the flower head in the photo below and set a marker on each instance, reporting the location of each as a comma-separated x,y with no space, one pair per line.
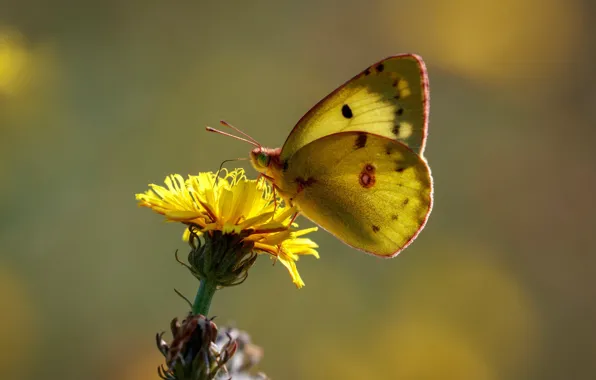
231,205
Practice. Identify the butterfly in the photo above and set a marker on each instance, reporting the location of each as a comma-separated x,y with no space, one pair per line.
354,163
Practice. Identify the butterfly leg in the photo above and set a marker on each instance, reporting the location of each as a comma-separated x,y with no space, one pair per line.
265,176
294,217
274,201
278,192
275,191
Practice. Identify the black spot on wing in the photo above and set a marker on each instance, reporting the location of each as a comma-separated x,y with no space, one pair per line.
399,112
400,166
406,201
346,111
380,67
361,140
376,228
367,71
395,130
389,149
394,217
285,167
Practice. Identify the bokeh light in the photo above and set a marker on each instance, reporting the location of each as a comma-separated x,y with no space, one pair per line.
14,62
19,324
498,42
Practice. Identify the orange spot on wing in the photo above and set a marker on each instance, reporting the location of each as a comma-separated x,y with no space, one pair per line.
367,177
303,183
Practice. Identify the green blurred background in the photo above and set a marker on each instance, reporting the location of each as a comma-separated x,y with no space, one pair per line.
98,99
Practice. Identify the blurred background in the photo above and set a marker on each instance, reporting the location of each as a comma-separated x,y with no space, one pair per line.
99,99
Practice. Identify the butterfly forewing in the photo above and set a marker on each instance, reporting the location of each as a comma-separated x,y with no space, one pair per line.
390,99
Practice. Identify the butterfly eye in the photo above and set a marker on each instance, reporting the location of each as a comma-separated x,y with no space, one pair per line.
263,159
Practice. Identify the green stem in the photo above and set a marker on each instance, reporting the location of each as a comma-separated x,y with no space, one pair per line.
204,297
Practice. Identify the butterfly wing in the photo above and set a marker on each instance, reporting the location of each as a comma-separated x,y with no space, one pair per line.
390,98
370,191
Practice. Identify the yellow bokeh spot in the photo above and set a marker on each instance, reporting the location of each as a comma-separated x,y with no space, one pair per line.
14,62
412,350
467,289
494,41
427,351
461,314
17,327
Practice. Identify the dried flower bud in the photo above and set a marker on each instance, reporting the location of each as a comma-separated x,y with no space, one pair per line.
198,352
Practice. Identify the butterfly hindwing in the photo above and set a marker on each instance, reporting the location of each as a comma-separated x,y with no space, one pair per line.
390,99
371,191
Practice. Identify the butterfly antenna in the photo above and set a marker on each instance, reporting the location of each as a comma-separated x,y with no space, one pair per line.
209,129
226,124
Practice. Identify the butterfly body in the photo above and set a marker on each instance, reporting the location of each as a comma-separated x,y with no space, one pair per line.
354,165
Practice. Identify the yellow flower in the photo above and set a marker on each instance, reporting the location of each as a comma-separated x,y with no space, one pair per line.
233,204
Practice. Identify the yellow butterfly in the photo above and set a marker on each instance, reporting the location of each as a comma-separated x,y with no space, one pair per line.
353,164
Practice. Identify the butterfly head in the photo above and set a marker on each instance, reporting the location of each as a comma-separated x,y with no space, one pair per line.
263,159
260,158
